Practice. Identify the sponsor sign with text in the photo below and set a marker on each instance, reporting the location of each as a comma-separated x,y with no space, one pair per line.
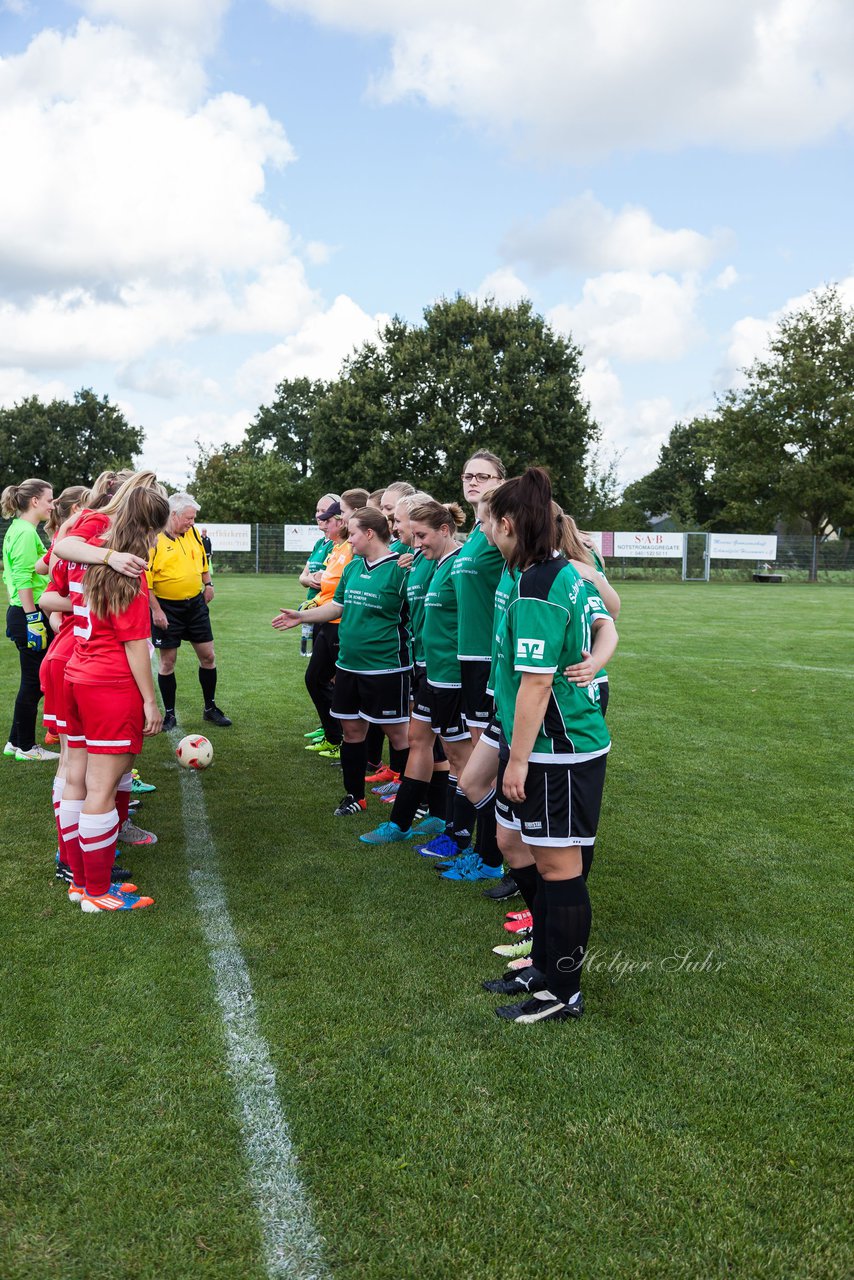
662,546
743,546
300,537
227,537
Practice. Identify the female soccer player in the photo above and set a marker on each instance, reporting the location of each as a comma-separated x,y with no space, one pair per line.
373,664
110,701
27,505
554,740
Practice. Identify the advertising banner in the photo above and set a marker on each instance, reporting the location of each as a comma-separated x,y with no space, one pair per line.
300,537
227,537
743,546
662,546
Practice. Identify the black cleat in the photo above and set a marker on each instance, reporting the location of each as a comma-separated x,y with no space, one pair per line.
169,722
214,716
543,1007
349,805
63,872
506,888
520,983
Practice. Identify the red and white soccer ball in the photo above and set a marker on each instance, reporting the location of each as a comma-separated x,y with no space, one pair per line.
194,751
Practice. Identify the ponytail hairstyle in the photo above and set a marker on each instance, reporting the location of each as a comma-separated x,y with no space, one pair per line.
375,498
16,498
401,488
415,499
354,498
129,482
569,542
371,518
143,514
103,489
526,502
74,496
435,514
491,458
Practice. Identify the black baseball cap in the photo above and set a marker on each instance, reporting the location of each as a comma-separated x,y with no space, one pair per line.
334,510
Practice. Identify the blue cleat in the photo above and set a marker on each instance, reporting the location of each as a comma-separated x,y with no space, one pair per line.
441,846
429,827
471,868
386,833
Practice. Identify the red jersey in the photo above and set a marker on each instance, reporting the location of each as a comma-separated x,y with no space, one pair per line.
62,646
99,655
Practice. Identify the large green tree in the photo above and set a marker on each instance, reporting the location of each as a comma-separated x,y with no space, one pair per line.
417,403
234,483
784,441
66,442
681,485
286,426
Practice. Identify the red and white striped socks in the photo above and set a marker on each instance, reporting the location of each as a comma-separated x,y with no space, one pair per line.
98,833
69,847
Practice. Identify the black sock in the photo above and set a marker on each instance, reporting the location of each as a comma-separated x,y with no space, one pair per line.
540,912
437,794
353,757
374,741
587,858
526,882
407,802
567,934
168,691
397,758
464,816
486,844
207,679
449,805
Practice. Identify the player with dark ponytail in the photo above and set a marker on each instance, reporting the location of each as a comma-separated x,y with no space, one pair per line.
554,742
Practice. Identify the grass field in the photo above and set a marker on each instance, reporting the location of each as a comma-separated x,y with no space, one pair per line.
694,1123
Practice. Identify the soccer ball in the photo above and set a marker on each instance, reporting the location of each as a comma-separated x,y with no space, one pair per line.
194,751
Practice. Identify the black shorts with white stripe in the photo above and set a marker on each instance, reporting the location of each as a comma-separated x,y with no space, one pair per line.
378,697
442,709
561,806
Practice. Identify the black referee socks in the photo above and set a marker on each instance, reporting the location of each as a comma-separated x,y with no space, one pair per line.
168,686
207,679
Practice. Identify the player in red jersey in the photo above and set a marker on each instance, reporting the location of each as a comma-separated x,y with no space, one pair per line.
110,701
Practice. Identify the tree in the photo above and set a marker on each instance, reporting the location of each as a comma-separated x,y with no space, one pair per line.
419,401
235,484
66,443
286,425
682,483
784,442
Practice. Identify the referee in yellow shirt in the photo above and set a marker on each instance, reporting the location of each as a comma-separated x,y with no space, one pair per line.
179,579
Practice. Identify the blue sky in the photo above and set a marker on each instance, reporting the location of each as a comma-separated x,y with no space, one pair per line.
202,197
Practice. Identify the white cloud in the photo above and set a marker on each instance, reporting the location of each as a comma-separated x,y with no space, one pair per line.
316,350
584,235
748,338
726,278
195,21
582,78
504,286
170,445
167,379
18,384
634,432
632,315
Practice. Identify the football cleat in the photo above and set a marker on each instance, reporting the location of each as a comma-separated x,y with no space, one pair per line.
383,774
440,846
76,892
35,753
518,926
349,805
526,982
514,950
314,734
472,868
429,827
523,962
170,721
10,749
320,745
132,834
386,789
137,786
385,833
331,752
506,888
115,899
215,716
50,739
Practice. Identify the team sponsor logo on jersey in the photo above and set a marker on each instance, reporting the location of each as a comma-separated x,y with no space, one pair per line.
533,826
530,648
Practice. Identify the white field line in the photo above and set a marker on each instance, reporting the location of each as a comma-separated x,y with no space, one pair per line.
756,668
292,1247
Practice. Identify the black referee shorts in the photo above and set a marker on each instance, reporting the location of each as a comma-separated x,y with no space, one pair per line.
185,620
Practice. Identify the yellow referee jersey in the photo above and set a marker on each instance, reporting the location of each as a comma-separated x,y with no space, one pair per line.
176,566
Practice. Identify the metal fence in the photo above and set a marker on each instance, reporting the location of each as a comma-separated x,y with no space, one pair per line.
832,561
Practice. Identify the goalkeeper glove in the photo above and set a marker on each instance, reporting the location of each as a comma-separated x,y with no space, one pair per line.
36,631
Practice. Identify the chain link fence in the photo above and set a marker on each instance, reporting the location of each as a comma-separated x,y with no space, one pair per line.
831,560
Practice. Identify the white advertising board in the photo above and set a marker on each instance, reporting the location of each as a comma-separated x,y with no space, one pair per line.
662,546
597,539
227,537
300,537
743,546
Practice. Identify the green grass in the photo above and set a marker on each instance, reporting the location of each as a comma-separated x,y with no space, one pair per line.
692,1124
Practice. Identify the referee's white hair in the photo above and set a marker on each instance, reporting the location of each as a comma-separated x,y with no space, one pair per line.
180,502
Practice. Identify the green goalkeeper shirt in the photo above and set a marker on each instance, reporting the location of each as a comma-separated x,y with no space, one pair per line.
22,547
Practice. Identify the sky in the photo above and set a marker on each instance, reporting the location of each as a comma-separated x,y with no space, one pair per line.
199,198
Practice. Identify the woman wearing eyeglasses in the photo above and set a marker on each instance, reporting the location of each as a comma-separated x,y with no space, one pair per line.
475,576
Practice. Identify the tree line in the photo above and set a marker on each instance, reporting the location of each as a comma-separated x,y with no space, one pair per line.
420,399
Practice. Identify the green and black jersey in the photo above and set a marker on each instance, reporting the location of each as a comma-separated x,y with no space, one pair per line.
597,610
417,581
506,583
373,635
476,573
317,558
545,628
439,633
